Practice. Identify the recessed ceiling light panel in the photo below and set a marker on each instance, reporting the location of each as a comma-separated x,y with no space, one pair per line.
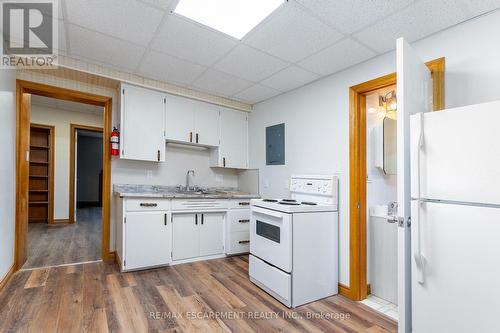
233,17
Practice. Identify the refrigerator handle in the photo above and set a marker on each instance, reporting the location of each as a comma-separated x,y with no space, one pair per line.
418,254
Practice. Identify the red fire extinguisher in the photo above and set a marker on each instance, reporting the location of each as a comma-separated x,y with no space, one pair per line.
115,142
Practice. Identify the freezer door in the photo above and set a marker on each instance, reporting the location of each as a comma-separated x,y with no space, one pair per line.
460,290
459,157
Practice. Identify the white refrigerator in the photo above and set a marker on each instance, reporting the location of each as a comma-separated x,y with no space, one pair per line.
455,220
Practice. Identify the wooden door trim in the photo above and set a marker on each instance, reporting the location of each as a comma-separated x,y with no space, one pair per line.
51,167
357,289
27,87
73,128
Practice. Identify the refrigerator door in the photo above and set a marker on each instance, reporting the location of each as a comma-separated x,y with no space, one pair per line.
459,158
460,290
414,96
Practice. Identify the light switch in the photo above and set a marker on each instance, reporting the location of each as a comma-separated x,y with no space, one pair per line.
149,174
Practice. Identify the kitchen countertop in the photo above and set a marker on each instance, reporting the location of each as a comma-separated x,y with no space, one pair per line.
170,192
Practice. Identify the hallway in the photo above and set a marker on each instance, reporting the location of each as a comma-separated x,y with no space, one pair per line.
51,245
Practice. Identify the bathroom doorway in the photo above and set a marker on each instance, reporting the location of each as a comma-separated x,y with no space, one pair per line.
359,287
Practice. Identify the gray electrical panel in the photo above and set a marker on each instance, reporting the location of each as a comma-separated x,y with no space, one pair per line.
275,145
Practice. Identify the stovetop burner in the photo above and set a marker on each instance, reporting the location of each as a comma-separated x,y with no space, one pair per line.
269,200
289,200
309,203
289,203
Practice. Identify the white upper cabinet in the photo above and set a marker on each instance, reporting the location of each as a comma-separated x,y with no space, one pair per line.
192,122
206,124
180,119
233,149
142,128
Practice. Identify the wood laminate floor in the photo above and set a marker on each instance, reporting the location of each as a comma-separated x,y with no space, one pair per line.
206,296
50,245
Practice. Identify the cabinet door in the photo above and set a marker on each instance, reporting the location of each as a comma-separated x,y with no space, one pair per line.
180,119
147,239
142,124
206,123
211,233
185,236
234,139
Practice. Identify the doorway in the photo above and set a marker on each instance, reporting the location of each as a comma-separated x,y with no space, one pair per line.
358,209
59,252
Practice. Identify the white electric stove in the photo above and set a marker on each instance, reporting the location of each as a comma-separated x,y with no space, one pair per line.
294,242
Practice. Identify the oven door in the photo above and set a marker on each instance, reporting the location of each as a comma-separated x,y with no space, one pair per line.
271,237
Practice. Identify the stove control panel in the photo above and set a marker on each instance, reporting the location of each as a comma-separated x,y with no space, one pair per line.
315,185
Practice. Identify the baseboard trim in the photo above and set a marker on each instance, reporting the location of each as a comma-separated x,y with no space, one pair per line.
118,261
7,277
61,221
344,290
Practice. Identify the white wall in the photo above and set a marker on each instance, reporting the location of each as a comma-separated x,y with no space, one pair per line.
62,119
7,169
317,115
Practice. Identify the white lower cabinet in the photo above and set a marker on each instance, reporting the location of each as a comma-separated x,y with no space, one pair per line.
185,236
146,241
238,227
197,235
211,234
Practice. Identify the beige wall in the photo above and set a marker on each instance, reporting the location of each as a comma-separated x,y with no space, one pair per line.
62,119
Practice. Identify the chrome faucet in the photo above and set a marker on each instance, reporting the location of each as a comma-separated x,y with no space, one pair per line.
187,179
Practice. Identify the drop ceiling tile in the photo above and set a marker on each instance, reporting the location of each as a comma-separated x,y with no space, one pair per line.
61,38
351,15
256,93
337,57
413,23
163,4
292,34
290,78
166,68
104,49
250,64
476,7
191,41
221,83
127,19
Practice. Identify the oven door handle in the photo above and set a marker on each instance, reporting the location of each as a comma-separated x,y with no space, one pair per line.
267,212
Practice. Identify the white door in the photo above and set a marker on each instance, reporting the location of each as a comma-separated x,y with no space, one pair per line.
414,92
180,119
147,239
185,236
206,124
142,124
211,233
234,139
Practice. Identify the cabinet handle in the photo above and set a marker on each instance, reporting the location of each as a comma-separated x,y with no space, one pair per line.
224,162
158,155
148,204
244,221
196,219
202,218
165,219
190,136
244,203
244,242
197,137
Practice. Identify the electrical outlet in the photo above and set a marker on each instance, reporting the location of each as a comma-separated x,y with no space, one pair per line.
219,178
149,174
266,183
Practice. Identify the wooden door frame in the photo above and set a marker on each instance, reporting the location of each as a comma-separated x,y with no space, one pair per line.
51,167
23,123
358,288
73,128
